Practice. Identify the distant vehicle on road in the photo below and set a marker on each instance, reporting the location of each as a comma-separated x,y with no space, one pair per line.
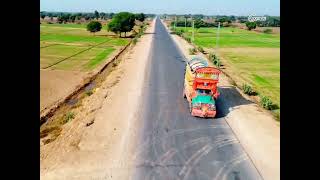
200,87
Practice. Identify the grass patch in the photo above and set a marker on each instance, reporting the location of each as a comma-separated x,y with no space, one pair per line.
267,31
61,41
50,129
99,58
192,51
68,117
135,40
53,54
89,93
247,89
259,67
266,102
200,49
232,37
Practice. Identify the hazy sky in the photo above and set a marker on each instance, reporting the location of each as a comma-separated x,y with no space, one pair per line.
208,7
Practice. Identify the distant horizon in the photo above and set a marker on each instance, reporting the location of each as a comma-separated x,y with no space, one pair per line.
179,7
154,13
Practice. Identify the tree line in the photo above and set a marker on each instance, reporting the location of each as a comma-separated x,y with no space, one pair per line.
271,21
63,17
198,23
121,22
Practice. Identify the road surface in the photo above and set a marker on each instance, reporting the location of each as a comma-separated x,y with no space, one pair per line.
173,144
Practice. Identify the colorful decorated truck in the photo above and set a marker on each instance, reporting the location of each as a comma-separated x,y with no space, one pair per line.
200,87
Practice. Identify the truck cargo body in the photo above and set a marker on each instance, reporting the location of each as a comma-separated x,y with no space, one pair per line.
200,87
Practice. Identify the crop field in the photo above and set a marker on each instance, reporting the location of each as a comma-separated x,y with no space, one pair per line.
233,37
72,47
252,57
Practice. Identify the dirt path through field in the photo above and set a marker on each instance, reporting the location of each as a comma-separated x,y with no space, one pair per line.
97,144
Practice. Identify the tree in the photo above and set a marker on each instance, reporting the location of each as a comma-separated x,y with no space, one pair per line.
96,14
140,17
59,19
63,18
251,25
198,23
72,18
94,26
111,15
42,14
122,22
103,15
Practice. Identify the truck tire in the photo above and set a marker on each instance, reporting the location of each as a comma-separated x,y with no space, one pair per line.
184,94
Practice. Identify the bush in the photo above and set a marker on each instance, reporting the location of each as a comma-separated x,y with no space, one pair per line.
266,102
135,40
89,93
69,116
212,56
247,89
200,49
251,25
216,61
179,33
267,31
94,26
188,39
192,51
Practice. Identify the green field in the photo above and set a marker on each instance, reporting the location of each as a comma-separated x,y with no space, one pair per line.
233,37
251,56
72,47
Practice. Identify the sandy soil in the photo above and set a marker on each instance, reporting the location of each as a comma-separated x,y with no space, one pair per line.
255,128
97,143
56,84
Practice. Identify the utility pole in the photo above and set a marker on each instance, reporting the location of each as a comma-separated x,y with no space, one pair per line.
185,24
192,31
175,22
217,37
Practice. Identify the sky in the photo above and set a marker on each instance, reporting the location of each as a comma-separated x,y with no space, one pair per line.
206,7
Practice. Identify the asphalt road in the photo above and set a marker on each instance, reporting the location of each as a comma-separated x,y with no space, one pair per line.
173,144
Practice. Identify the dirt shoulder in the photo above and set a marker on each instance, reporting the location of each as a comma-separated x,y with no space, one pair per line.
98,142
257,131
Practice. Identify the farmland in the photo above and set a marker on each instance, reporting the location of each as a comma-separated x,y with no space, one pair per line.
68,52
71,47
249,57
